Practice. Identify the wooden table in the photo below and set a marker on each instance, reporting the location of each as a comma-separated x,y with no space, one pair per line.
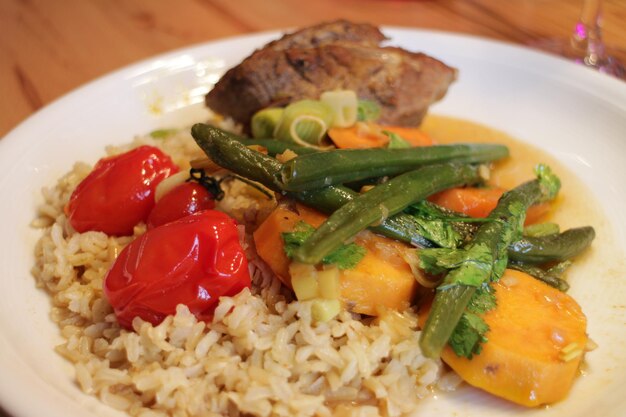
48,48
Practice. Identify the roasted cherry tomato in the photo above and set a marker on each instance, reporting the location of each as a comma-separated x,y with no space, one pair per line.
191,261
181,201
119,192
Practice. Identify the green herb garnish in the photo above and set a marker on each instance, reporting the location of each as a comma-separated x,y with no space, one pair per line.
481,261
396,141
367,110
344,257
470,333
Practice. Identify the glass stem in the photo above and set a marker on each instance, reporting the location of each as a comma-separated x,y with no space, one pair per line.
587,36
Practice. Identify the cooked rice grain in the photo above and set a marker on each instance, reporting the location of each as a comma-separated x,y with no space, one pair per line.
261,355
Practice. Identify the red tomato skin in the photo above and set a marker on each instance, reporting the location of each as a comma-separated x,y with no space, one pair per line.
181,201
192,261
119,192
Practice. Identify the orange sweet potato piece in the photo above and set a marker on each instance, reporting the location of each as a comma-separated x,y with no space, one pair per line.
478,202
381,279
369,135
531,328
268,237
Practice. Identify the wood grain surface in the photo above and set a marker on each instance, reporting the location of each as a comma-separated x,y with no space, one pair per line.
50,47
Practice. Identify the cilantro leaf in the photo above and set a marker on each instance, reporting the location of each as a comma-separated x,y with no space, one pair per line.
436,225
467,266
468,335
293,240
550,184
483,300
396,141
344,257
367,110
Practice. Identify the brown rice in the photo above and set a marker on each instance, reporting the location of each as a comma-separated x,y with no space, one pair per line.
261,355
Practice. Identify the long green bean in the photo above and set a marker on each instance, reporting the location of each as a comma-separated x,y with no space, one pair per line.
321,169
556,247
548,277
226,151
381,202
229,151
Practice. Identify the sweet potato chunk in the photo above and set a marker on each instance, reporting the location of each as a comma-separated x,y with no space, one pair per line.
381,279
536,342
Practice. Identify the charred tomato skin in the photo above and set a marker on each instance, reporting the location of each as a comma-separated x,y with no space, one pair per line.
119,191
181,201
192,261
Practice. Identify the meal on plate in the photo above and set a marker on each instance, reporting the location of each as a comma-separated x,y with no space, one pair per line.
320,247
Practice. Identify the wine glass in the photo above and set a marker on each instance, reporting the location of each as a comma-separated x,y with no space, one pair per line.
587,37
585,45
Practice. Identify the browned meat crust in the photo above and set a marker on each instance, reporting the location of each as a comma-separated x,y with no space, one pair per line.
402,82
329,32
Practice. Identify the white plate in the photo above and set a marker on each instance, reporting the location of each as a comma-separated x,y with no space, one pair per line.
575,114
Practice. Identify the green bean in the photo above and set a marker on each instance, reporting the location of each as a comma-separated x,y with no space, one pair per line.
483,260
381,202
345,165
228,151
548,277
402,226
555,247
541,229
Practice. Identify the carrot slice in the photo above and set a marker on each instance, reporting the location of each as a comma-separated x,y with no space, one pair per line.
479,202
535,343
370,135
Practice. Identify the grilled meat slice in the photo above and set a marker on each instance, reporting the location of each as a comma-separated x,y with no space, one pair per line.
329,32
402,82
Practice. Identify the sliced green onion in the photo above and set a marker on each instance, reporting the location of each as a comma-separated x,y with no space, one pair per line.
305,123
367,110
264,122
307,130
343,104
162,133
